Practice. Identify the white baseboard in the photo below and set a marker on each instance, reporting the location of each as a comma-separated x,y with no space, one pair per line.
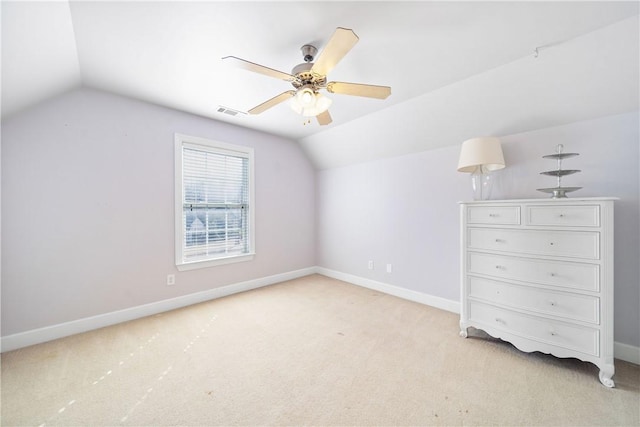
430,300
621,351
626,352
37,336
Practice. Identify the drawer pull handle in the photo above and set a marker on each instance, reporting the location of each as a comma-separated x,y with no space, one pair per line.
553,333
561,215
499,320
551,243
552,274
500,267
494,215
499,241
553,303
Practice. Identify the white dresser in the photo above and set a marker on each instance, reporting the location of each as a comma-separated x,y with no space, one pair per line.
539,274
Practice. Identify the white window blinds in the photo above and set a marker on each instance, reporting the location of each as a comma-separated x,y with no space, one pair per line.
215,203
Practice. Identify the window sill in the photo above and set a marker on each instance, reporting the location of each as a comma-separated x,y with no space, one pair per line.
214,262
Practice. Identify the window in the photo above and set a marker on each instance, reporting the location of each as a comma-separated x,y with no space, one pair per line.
214,203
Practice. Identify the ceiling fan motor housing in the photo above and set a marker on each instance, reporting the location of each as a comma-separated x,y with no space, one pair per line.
302,72
304,76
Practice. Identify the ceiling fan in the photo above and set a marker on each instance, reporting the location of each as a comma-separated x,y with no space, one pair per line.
310,77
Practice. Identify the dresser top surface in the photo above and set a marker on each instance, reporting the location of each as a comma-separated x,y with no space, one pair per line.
566,200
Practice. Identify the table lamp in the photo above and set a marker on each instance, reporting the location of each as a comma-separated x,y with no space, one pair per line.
481,156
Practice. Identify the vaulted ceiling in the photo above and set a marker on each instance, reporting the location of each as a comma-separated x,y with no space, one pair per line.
456,69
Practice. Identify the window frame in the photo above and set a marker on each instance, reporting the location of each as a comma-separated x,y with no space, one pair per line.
180,141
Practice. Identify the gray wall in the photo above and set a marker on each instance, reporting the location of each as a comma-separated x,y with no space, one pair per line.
404,210
88,208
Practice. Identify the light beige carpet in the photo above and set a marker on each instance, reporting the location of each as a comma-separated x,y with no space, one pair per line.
312,351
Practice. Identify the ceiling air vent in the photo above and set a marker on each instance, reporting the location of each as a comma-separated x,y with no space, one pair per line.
229,111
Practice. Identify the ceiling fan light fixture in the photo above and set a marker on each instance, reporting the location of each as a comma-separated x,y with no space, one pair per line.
306,97
308,103
322,103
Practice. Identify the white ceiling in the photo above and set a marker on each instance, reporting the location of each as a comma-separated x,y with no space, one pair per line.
451,65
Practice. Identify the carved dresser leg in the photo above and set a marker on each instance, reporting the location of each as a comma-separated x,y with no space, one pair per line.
605,376
463,330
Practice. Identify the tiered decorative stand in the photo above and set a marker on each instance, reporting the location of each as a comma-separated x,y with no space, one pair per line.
559,192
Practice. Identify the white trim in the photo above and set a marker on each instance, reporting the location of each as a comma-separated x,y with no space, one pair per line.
430,300
214,262
626,352
181,141
37,336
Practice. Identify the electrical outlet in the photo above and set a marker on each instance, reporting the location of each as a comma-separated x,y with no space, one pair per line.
370,265
171,279
388,268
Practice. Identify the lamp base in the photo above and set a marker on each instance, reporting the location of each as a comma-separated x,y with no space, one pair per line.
481,183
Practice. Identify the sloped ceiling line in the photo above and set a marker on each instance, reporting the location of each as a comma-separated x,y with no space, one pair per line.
169,53
590,76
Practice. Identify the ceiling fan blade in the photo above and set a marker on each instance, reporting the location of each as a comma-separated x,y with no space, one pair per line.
272,102
257,68
341,42
324,118
357,89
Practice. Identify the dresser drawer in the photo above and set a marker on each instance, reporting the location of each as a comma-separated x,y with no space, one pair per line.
553,332
503,215
574,216
572,275
569,305
575,244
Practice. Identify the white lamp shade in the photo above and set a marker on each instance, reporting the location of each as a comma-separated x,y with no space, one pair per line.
484,152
